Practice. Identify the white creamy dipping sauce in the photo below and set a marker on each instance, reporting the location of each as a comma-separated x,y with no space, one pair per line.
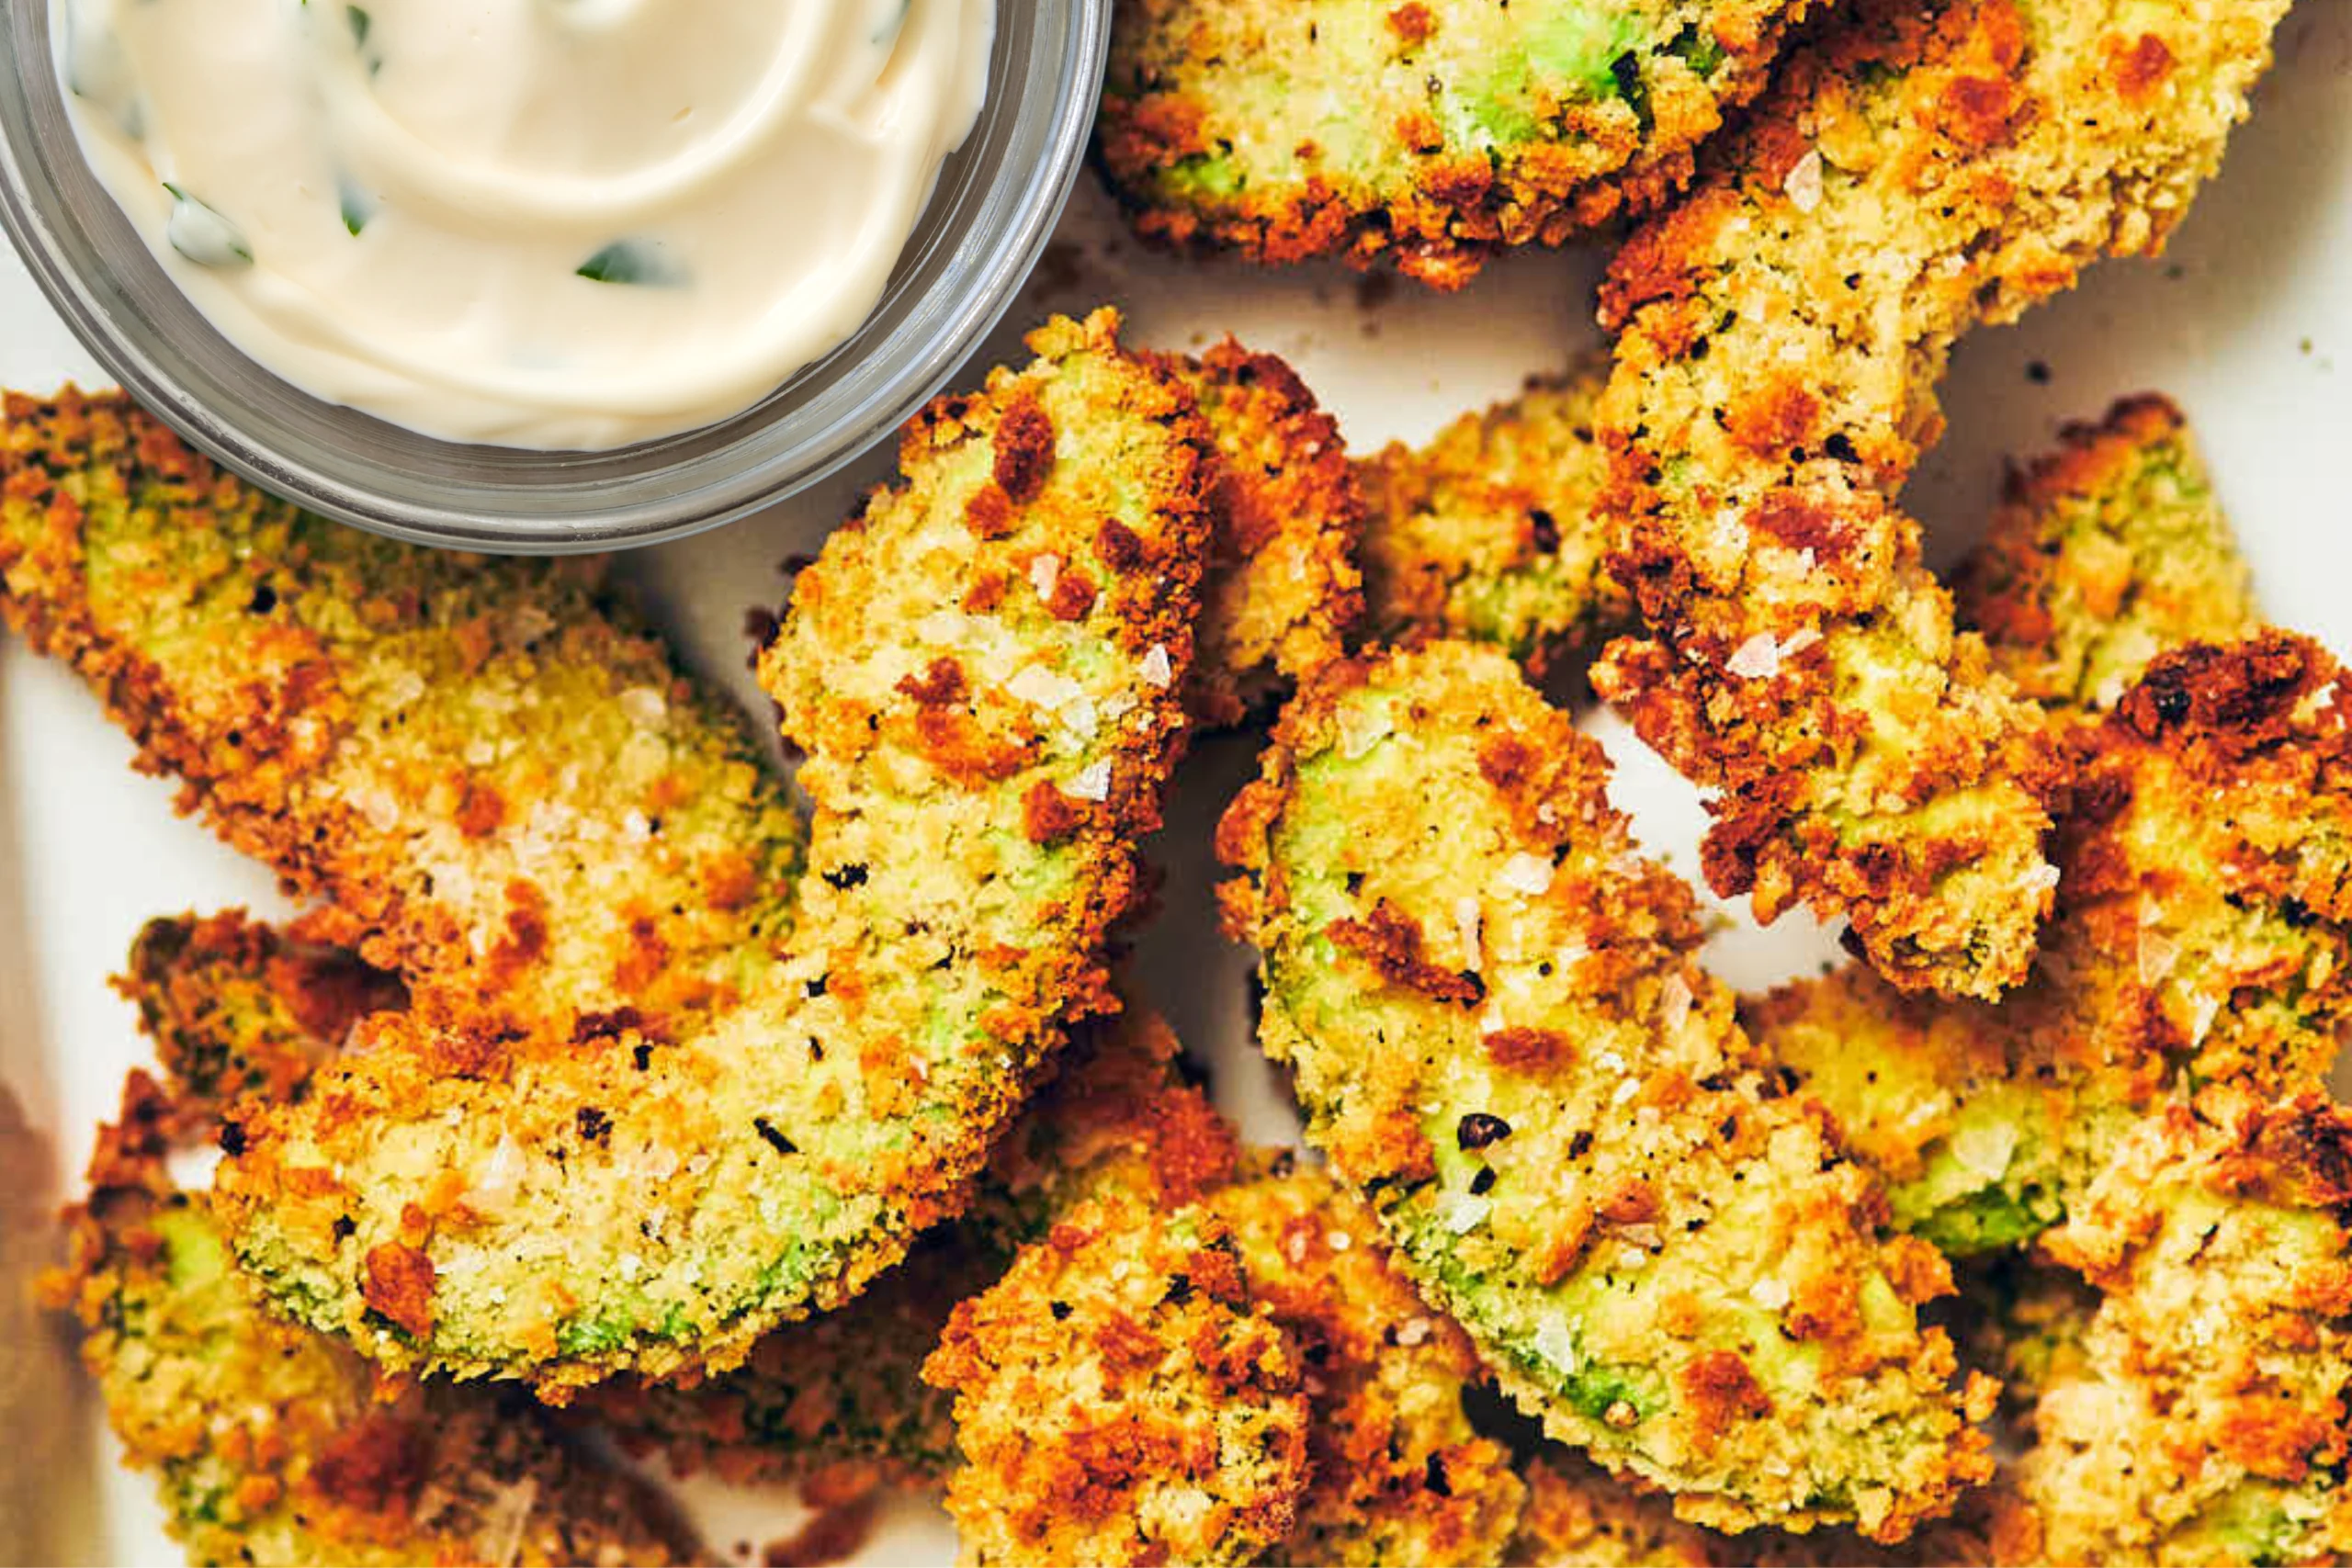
547,223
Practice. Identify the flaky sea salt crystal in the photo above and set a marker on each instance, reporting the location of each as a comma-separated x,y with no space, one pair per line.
1466,924
1674,1002
1360,730
1530,874
1092,782
645,707
1045,574
1556,1343
1156,666
1042,688
1803,182
1465,1213
1984,1148
1757,658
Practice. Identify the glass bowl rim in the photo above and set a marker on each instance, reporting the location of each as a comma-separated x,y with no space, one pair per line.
1018,204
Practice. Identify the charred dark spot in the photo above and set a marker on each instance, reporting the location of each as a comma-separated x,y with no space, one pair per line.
1060,1310
776,1140
2295,912
1842,446
1484,1182
232,1138
844,877
1478,1129
264,601
1434,1476
344,1227
1543,530
1580,1145
592,1123
1179,1290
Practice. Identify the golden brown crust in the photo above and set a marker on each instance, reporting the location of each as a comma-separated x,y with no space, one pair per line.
276,1446
769,1160
1282,590
1119,1401
322,694
1624,1207
1458,131
2104,553
1397,1471
236,1007
1489,531
2205,1420
1912,171
2200,942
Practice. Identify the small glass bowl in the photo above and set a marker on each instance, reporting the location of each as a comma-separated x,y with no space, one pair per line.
996,204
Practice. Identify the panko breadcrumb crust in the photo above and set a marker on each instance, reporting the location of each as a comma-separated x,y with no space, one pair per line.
651,1192
275,1445
237,1008
2205,1420
1395,1471
1282,590
1502,1036
839,1399
489,772
2104,554
1915,170
1120,1400
1432,136
2204,937
1488,531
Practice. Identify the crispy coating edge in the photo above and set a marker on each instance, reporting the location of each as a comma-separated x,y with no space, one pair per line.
1397,1471
1282,589
972,842
2206,1420
321,693
1489,531
1913,171
276,1445
1523,1232
236,1007
2104,553
2201,939
1445,207
1119,1400
838,1401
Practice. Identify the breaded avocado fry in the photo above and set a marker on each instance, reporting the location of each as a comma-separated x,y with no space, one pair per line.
2103,555
494,773
1281,590
1914,169
1120,1400
1433,135
640,1196
276,1445
1398,1473
1393,1471
237,1008
1487,532
1579,1516
1503,1038
2204,936
2205,1421
842,1393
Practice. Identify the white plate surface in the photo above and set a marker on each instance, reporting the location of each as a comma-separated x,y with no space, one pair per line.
2247,322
